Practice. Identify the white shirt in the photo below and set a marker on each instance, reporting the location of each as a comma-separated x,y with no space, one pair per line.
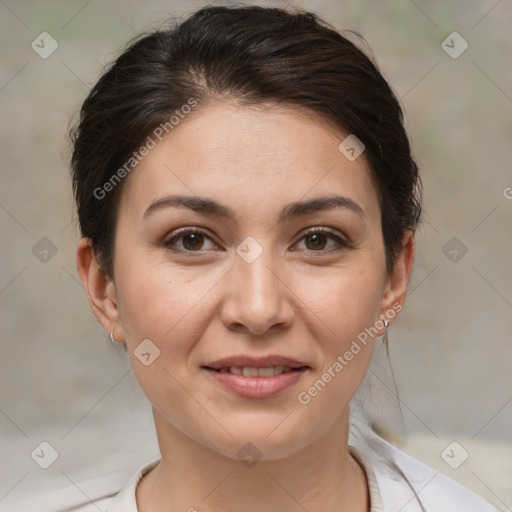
397,483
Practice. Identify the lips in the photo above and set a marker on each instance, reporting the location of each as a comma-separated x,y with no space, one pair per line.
256,377
256,387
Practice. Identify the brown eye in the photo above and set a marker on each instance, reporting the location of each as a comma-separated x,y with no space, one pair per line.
317,240
191,241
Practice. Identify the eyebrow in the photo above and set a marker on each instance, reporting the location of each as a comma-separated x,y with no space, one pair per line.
291,210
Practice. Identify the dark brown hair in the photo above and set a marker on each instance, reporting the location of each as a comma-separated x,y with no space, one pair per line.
253,55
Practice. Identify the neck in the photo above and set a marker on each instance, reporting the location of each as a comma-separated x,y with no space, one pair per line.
191,476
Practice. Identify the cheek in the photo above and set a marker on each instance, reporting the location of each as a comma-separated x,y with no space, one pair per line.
343,302
160,303
344,308
164,303
342,321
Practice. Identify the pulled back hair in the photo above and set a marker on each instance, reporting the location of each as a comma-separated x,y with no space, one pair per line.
252,55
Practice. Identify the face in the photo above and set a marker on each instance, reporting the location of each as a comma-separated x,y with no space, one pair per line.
265,271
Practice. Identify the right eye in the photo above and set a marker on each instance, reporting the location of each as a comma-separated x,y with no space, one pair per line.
191,241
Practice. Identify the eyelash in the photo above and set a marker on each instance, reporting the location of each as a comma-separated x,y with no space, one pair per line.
342,244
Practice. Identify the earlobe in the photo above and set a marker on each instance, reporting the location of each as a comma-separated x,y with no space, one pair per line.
398,278
98,286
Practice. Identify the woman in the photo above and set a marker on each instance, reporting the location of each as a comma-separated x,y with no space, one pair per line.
248,201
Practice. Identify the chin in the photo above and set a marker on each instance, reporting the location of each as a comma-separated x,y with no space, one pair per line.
266,441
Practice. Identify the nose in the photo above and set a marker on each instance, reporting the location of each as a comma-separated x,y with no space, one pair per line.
257,298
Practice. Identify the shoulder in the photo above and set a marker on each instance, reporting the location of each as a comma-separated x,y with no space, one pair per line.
114,492
409,485
125,501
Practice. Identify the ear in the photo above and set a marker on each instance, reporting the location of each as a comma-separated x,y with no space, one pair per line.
100,289
398,279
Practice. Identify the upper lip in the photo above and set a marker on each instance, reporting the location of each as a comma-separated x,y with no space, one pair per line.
255,362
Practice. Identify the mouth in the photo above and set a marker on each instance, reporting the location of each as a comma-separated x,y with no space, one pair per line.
250,366
252,371
256,377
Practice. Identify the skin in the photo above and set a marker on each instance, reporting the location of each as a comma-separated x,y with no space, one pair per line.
297,299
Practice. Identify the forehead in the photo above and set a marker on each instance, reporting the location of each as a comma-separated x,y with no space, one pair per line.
249,157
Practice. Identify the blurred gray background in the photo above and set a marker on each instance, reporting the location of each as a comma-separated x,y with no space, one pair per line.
64,383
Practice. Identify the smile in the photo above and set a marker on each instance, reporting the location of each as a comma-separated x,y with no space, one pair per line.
251,382
250,371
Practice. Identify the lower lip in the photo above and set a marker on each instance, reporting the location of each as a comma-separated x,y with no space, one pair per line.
257,387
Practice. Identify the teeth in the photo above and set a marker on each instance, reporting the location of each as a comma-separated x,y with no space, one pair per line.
266,372
281,369
248,371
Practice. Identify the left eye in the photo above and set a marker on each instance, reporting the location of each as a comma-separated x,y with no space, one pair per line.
319,238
